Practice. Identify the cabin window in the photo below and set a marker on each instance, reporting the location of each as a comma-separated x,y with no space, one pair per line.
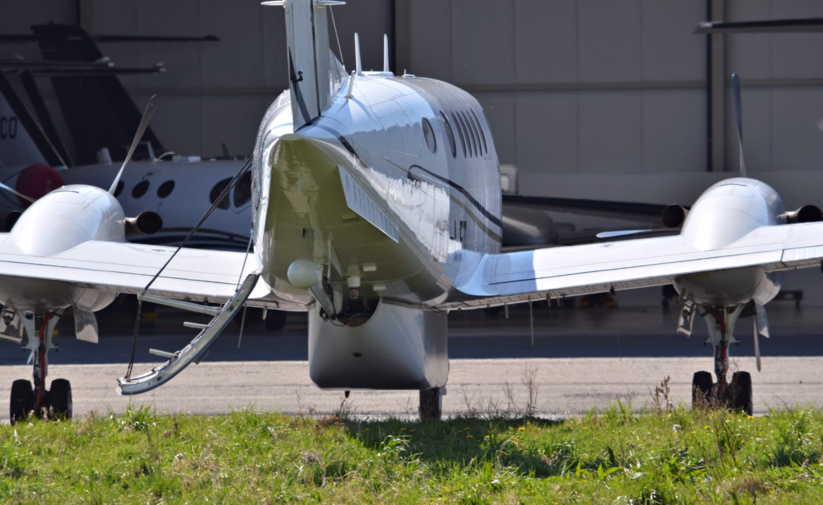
119,188
140,189
480,129
215,193
449,135
165,189
428,133
242,190
462,138
472,133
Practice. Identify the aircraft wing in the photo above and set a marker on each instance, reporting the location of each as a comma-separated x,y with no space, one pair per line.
194,274
630,264
631,211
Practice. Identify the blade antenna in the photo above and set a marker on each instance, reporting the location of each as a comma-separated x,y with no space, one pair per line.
141,129
185,241
385,53
739,115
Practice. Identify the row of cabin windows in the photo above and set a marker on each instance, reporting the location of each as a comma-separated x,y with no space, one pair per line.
469,130
142,187
242,191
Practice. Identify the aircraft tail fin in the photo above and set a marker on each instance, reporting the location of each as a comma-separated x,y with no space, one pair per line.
98,110
22,143
311,65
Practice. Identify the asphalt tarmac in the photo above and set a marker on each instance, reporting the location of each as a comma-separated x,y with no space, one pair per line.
581,359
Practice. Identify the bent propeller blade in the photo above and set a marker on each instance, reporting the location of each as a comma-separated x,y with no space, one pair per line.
739,116
141,129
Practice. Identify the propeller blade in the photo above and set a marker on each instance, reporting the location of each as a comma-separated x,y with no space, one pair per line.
761,327
141,129
756,346
11,190
739,115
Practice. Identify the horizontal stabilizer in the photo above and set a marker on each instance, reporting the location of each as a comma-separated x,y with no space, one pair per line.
361,203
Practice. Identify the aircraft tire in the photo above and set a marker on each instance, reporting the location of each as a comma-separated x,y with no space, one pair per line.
701,389
741,390
430,404
22,400
60,399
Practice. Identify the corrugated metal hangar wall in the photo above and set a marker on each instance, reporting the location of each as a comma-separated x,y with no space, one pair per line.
574,89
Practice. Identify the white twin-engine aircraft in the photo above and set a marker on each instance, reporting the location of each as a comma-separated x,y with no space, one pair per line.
377,209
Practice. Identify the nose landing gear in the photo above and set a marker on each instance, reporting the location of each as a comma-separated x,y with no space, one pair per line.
737,394
25,398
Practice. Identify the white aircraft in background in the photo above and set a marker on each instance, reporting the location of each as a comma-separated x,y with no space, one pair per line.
376,208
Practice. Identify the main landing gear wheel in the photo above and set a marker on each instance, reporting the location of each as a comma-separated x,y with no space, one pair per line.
741,392
431,406
22,400
59,399
701,389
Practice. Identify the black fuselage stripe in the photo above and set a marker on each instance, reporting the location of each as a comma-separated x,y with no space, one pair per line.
488,215
296,86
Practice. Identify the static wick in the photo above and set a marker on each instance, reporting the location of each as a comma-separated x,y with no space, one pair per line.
506,309
531,320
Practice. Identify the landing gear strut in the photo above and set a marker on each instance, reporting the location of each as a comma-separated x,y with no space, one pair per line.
736,394
26,398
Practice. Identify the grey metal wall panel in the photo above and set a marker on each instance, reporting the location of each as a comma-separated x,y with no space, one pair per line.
797,129
482,41
545,41
371,19
230,62
500,113
610,40
229,119
674,130
179,122
670,51
757,130
430,47
547,132
611,131
796,55
274,64
17,16
748,54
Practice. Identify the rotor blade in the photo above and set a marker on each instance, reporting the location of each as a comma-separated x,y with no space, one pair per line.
141,129
21,195
756,345
739,115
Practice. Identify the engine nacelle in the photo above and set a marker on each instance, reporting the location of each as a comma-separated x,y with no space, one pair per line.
57,222
805,214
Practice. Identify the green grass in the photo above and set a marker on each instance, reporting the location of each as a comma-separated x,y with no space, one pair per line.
614,456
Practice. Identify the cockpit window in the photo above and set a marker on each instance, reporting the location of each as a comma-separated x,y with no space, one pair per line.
215,193
242,190
140,189
428,133
463,140
449,134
